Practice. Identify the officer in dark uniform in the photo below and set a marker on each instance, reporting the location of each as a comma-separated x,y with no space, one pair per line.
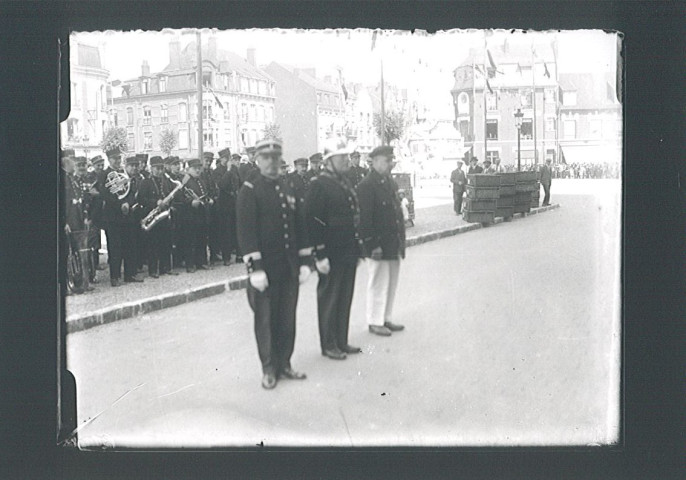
153,191
248,168
86,181
382,230
226,176
273,239
299,179
119,196
142,253
76,219
315,166
209,177
356,172
195,218
94,236
333,219
173,174
143,165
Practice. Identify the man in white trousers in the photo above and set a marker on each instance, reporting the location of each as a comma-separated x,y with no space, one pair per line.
382,231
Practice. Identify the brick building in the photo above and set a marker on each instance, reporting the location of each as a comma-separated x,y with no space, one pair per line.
238,101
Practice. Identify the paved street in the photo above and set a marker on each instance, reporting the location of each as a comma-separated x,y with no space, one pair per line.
512,337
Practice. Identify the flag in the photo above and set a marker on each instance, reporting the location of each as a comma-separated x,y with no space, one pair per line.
488,85
374,39
546,73
490,60
215,97
519,68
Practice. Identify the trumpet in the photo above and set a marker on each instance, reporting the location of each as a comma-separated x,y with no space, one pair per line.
160,212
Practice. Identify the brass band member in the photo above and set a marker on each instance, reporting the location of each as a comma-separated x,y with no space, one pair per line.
272,236
95,232
195,218
226,176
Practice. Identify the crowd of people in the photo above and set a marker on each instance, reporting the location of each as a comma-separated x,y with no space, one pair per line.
586,170
282,225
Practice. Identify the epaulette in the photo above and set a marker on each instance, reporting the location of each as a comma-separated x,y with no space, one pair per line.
248,184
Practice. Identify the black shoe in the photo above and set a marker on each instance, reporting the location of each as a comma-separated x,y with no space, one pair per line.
394,327
380,330
101,267
334,354
349,349
204,267
292,374
134,279
227,263
115,282
171,272
190,270
154,275
268,381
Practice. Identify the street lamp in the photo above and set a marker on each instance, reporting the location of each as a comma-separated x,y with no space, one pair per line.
518,123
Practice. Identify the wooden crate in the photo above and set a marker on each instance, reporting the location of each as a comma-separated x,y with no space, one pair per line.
482,192
522,198
525,187
526,177
483,180
507,201
474,205
504,212
522,208
478,217
507,178
506,190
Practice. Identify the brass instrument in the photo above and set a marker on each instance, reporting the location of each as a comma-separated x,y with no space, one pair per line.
118,184
159,213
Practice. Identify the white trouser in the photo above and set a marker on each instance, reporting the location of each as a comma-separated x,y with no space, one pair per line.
381,287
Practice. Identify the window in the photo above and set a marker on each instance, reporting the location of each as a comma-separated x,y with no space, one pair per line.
463,103
261,116
225,81
227,112
550,154
129,116
251,113
244,112
131,142
525,98
144,87
103,98
163,84
491,101
244,84
207,110
492,129
569,129
492,155
164,114
271,114
72,128
75,97
464,128
207,79
549,95
594,128
569,99
183,112
319,97
115,118
147,116
527,130
549,124
147,141
183,139
208,138
227,137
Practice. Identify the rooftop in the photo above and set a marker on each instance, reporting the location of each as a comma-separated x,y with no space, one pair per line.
593,90
88,56
309,79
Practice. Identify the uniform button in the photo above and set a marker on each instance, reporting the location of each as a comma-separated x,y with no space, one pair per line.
284,215
287,245
276,187
285,225
285,235
283,205
281,194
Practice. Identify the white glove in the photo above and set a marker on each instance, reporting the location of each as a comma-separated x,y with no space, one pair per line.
304,273
323,266
258,279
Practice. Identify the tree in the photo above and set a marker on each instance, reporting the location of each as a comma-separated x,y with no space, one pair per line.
113,138
272,130
395,125
167,141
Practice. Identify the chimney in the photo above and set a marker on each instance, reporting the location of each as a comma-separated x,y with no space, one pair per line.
145,69
212,48
251,57
175,54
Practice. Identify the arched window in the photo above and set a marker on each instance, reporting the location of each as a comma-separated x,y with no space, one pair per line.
147,116
164,114
129,116
183,112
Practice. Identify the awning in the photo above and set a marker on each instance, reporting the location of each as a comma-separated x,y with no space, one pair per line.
592,154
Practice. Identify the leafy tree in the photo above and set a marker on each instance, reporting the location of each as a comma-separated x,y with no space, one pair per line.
113,138
272,130
394,126
167,141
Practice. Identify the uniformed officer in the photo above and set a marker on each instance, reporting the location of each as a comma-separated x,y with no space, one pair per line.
315,166
299,178
283,168
173,164
356,172
152,193
209,177
195,218
96,204
143,165
119,195
273,239
76,219
248,167
459,181
226,177
333,219
382,230
141,243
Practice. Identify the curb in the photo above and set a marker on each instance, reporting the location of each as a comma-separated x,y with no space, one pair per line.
159,302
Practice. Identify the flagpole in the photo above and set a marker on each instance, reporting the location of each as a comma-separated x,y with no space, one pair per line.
383,109
198,82
533,79
473,106
485,73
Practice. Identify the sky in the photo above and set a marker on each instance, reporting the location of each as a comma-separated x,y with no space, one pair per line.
410,60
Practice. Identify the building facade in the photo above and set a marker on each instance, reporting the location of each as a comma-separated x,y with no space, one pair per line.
308,110
238,102
359,119
88,117
488,92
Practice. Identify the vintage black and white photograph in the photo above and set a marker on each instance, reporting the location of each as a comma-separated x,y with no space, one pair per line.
343,238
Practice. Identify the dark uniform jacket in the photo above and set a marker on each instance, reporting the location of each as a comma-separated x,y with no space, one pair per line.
476,169
301,184
546,175
312,174
73,203
270,222
228,183
207,177
151,190
247,171
333,217
381,217
196,215
458,179
357,174
111,210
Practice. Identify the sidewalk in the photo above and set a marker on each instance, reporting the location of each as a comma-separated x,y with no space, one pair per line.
106,304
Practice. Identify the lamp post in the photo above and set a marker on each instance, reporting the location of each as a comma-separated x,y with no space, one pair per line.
518,122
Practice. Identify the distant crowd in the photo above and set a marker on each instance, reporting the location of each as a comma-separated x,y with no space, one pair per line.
586,170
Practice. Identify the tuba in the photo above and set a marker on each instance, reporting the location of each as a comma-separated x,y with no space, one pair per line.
159,213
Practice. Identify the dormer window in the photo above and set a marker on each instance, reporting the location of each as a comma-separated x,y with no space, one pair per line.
163,84
144,87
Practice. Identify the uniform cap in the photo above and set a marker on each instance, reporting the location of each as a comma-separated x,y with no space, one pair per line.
113,152
268,145
97,159
225,153
385,150
207,155
142,157
335,147
194,162
132,160
174,160
300,161
67,152
235,156
355,153
156,161
316,157
80,161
